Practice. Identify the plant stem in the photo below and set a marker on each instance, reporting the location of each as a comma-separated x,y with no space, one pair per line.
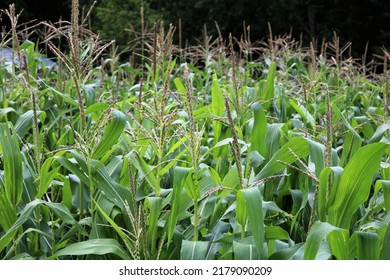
196,220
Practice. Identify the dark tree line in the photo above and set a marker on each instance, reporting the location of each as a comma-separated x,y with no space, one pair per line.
356,21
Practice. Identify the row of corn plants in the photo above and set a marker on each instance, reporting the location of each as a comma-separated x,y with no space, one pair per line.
230,149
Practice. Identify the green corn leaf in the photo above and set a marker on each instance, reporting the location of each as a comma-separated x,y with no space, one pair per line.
269,92
385,255
298,145
72,167
192,185
101,179
367,246
172,162
144,171
12,161
276,233
112,131
179,85
241,210
273,138
178,144
299,203
4,112
77,189
194,250
8,213
116,193
46,176
351,145
318,233
60,210
179,176
153,204
338,243
99,247
380,131
344,120
355,184
227,141
244,251
96,107
385,186
286,254
259,131
24,122
231,181
301,110
325,199
317,156
254,208
115,226
66,97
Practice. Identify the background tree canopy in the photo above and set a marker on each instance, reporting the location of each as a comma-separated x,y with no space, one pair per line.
355,21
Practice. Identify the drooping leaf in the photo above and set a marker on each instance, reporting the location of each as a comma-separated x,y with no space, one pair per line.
301,110
100,247
60,210
380,131
318,233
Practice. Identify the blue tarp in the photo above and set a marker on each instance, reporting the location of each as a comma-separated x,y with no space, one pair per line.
7,55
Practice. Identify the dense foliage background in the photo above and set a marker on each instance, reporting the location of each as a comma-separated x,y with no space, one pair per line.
230,148
356,21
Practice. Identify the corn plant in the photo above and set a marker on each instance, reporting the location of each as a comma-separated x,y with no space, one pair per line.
228,149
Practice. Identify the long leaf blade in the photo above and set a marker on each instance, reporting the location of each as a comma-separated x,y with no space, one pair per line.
355,184
254,206
12,160
99,247
298,145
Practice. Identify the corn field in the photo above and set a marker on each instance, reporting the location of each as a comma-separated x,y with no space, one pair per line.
229,149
